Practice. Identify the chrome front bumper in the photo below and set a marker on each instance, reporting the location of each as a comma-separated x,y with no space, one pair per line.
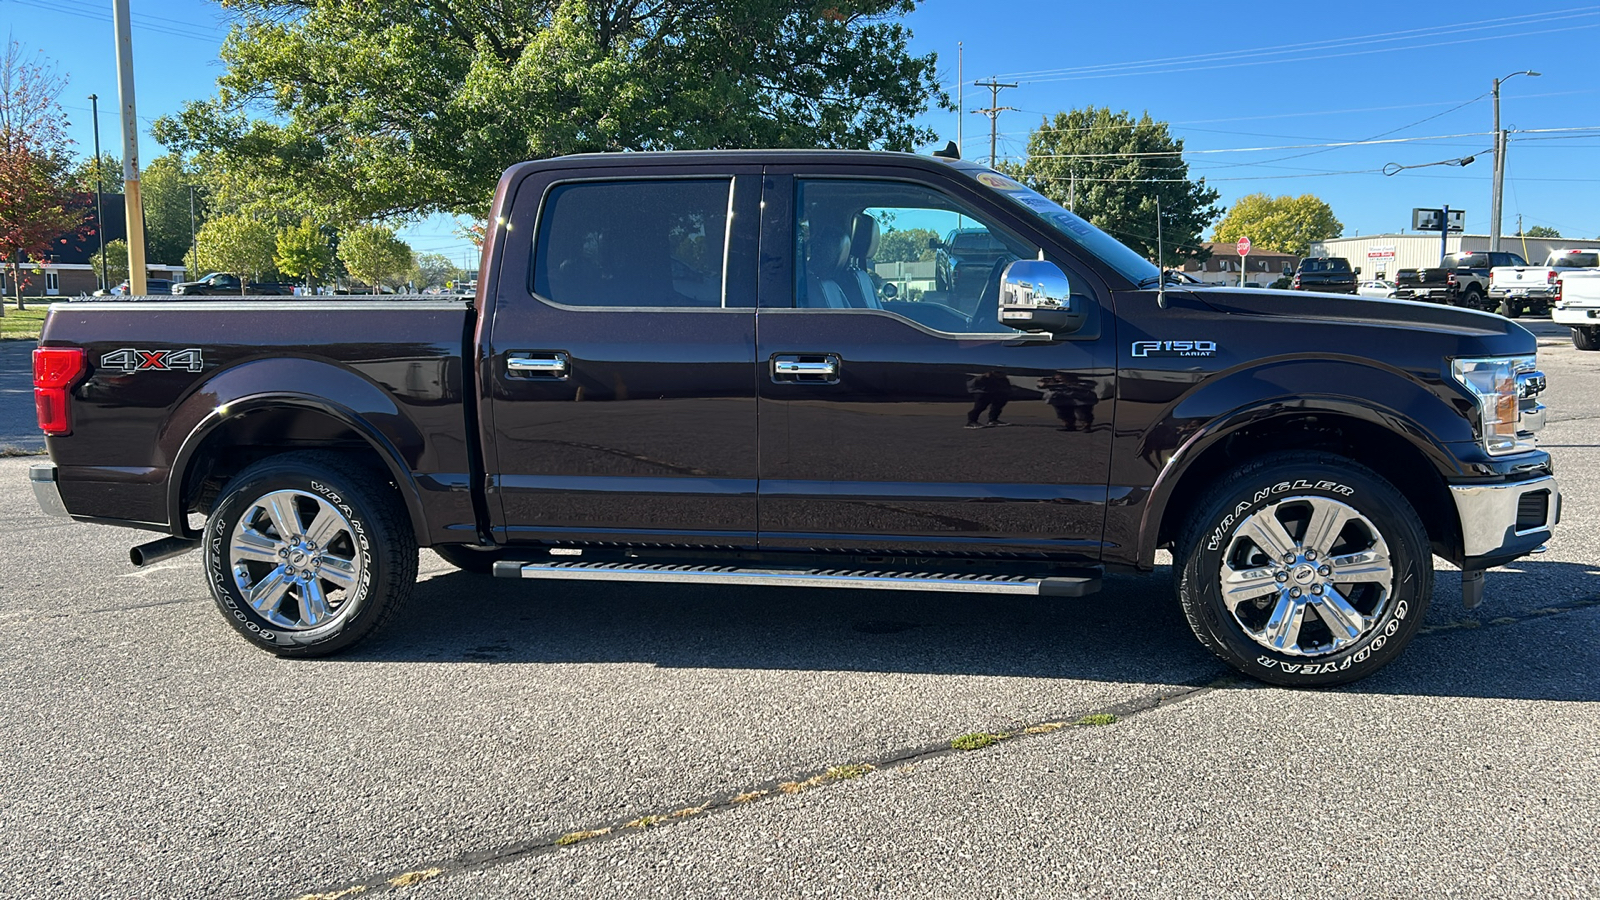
1511,517
45,491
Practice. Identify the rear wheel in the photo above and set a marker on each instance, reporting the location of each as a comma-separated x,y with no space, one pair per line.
308,553
1305,569
1473,298
1510,308
1586,338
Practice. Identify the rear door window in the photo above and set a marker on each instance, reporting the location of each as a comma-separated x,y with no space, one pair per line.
636,243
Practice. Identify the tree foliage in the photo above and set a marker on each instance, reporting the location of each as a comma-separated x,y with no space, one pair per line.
82,177
116,262
1283,224
1111,168
303,251
164,190
436,270
373,255
237,243
1543,231
39,211
373,110
905,245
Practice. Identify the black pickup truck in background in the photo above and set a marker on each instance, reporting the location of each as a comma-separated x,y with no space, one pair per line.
224,283
1462,279
677,368
1326,275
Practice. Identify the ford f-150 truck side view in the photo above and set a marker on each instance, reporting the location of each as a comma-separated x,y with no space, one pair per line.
677,368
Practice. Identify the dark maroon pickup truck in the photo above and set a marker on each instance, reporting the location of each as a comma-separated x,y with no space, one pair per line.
691,367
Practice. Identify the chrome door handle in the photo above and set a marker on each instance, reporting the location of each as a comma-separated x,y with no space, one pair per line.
805,368
529,364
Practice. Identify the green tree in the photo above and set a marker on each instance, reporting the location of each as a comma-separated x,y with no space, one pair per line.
1282,224
1543,231
905,245
373,255
83,174
164,190
38,207
1110,168
116,262
236,243
304,251
376,110
436,270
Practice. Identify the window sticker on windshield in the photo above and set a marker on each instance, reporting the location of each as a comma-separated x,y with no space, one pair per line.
1034,201
1072,223
999,182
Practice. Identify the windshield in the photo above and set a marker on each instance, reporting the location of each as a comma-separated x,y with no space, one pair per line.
1575,261
1075,229
1325,265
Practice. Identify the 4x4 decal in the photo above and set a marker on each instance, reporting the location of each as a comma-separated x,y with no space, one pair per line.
132,359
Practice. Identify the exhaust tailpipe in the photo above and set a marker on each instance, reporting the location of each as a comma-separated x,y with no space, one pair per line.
166,548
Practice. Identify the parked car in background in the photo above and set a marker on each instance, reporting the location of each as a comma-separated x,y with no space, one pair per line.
962,264
1525,288
1329,275
1461,279
1577,306
151,286
227,283
1377,288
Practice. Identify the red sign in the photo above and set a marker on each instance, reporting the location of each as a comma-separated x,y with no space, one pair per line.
1244,246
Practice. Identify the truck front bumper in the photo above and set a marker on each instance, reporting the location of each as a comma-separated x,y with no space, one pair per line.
1500,522
45,492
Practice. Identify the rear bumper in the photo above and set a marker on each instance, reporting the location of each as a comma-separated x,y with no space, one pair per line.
45,491
1575,315
1541,292
1500,522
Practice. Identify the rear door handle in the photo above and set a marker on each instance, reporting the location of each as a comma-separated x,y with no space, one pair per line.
536,364
805,368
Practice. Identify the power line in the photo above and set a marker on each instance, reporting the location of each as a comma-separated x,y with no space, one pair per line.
993,111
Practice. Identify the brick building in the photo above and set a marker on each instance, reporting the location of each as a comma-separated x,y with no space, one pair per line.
73,268
1262,267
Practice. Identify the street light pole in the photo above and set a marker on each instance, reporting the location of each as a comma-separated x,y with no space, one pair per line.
99,192
1499,163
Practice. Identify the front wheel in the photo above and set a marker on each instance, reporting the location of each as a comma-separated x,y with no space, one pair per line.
1305,569
307,553
1586,338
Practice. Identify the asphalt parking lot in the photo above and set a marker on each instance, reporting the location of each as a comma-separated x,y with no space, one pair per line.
525,739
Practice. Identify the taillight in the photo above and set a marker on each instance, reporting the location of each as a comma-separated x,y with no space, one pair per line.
1550,277
1296,284
55,370
1560,283
1450,280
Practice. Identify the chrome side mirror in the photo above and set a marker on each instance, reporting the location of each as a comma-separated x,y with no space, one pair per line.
1036,296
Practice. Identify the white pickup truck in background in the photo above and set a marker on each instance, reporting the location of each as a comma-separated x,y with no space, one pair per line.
1519,288
1578,306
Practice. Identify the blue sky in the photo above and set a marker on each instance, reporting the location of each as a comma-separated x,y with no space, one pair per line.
1284,77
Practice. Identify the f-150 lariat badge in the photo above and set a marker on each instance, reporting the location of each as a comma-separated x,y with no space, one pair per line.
132,359
1174,348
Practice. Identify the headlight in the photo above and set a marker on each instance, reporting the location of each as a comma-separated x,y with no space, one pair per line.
1499,385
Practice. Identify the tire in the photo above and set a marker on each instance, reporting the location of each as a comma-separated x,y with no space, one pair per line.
478,562
1384,584
351,533
1509,308
1586,338
1473,299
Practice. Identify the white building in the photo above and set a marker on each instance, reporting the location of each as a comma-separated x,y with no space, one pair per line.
1382,255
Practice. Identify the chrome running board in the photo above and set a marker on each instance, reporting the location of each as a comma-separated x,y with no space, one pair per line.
1056,586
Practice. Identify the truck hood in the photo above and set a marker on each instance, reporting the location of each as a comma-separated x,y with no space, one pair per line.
1310,308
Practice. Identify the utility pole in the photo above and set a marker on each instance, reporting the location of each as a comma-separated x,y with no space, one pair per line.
133,206
1500,142
994,111
99,192
961,93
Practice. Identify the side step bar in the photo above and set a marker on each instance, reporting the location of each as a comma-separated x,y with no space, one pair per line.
1055,586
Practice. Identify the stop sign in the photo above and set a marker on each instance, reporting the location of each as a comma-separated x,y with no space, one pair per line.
1244,246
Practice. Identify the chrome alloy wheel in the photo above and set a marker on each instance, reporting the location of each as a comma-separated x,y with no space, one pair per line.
296,560
1307,576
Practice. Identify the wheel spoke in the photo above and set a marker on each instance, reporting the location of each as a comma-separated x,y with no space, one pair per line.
1268,533
1248,584
342,572
285,518
250,545
1343,620
1283,629
1327,521
313,604
1368,565
325,526
269,591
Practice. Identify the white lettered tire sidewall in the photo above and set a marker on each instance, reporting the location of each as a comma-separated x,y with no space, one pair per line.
1270,481
377,524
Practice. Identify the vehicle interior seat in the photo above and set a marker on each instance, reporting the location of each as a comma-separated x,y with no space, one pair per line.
859,287
827,262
